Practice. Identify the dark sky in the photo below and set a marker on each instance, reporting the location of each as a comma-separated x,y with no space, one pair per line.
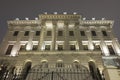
11,9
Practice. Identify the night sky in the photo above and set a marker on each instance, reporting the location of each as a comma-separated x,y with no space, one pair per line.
11,9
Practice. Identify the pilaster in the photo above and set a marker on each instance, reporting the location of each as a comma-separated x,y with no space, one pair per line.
29,45
103,46
115,43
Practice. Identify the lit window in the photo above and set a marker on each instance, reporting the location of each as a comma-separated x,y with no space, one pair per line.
82,33
26,33
60,33
37,33
71,33
15,33
104,33
93,33
49,33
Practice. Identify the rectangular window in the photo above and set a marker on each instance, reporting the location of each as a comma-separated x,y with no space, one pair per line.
9,49
23,47
93,33
47,47
71,33
26,33
60,47
72,47
97,47
15,33
111,50
37,33
85,47
60,33
82,33
35,47
49,33
104,33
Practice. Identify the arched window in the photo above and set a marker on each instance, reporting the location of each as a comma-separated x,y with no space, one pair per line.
76,64
59,63
94,71
26,70
44,64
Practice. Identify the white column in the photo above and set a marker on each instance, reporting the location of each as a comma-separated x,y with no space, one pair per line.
41,41
90,43
16,46
104,47
54,37
79,41
29,45
115,43
66,43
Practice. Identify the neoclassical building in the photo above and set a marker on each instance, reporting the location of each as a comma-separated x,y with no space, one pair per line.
60,47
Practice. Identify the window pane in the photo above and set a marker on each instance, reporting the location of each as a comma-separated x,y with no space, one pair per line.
60,47
47,47
82,33
72,47
26,33
15,33
71,33
104,33
49,33
9,49
23,47
37,33
35,47
60,33
85,47
93,33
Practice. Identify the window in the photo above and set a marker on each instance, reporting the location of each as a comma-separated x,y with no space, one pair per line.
60,47
104,33
60,33
22,47
97,47
111,50
26,33
72,47
44,64
15,33
37,33
9,49
35,47
49,33
71,33
82,33
47,47
85,47
60,64
93,33
76,64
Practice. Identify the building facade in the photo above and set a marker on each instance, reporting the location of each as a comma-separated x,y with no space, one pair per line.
60,47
